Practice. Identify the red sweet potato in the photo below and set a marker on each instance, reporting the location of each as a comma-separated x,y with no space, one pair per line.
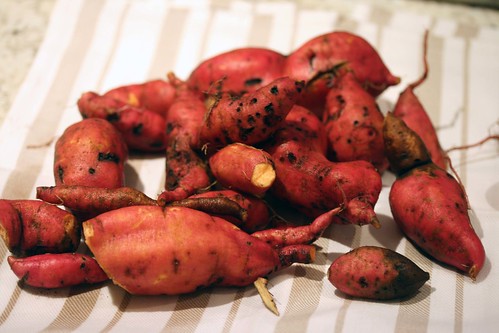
410,109
243,168
142,129
354,124
179,250
10,225
239,71
251,118
41,227
258,214
153,95
306,179
92,201
321,59
90,152
428,204
376,273
57,270
186,170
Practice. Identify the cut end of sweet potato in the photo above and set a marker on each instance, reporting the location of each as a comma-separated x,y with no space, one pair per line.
263,175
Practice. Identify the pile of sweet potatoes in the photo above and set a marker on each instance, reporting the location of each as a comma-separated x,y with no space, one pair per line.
247,130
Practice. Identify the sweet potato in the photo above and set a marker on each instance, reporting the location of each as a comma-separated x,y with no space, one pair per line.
410,109
313,184
376,273
10,225
428,204
90,152
57,270
239,71
354,124
319,60
92,201
142,129
186,170
243,168
40,228
153,95
251,118
177,250
258,213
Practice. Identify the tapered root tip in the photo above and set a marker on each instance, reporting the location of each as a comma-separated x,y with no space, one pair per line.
375,222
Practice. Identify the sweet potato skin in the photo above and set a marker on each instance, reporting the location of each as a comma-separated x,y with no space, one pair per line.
237,71
10,225
90,152
251,118
243,168
176,250
57,270
44,228
354,124
319,60
376,273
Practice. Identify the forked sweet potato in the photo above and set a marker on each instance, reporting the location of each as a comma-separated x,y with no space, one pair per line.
251,118
376,273
410,109
40,228
243,168
179,250
238,71
354,124
57,270
428,204
90,152
319,60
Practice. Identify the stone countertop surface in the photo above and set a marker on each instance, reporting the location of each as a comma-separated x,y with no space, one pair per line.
23,24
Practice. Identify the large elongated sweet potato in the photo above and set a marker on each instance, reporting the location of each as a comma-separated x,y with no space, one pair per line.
178,250
428,204
90,152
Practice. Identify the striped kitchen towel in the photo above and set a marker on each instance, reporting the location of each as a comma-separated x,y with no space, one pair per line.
97,45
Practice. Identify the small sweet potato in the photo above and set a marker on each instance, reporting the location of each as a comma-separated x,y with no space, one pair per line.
90,152
251,118
354,124
57,270
92,201
428,204
410,109
376,273
238,71
321,59
178,250
243,168
42,228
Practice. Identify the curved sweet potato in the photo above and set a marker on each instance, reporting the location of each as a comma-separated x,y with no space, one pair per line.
90,152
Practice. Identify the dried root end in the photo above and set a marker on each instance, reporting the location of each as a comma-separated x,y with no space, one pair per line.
267,298
473,272
263,175
375,222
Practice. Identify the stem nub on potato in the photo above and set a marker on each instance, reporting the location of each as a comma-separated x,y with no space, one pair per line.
428,204
376,273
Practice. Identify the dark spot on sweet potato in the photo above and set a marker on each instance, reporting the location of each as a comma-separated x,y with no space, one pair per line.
274,90
254,100
169,128
91,171
176,264
258,114
363,282
253,81
291,158
251,120
111,157
269,108
137,130
113,117
60,173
